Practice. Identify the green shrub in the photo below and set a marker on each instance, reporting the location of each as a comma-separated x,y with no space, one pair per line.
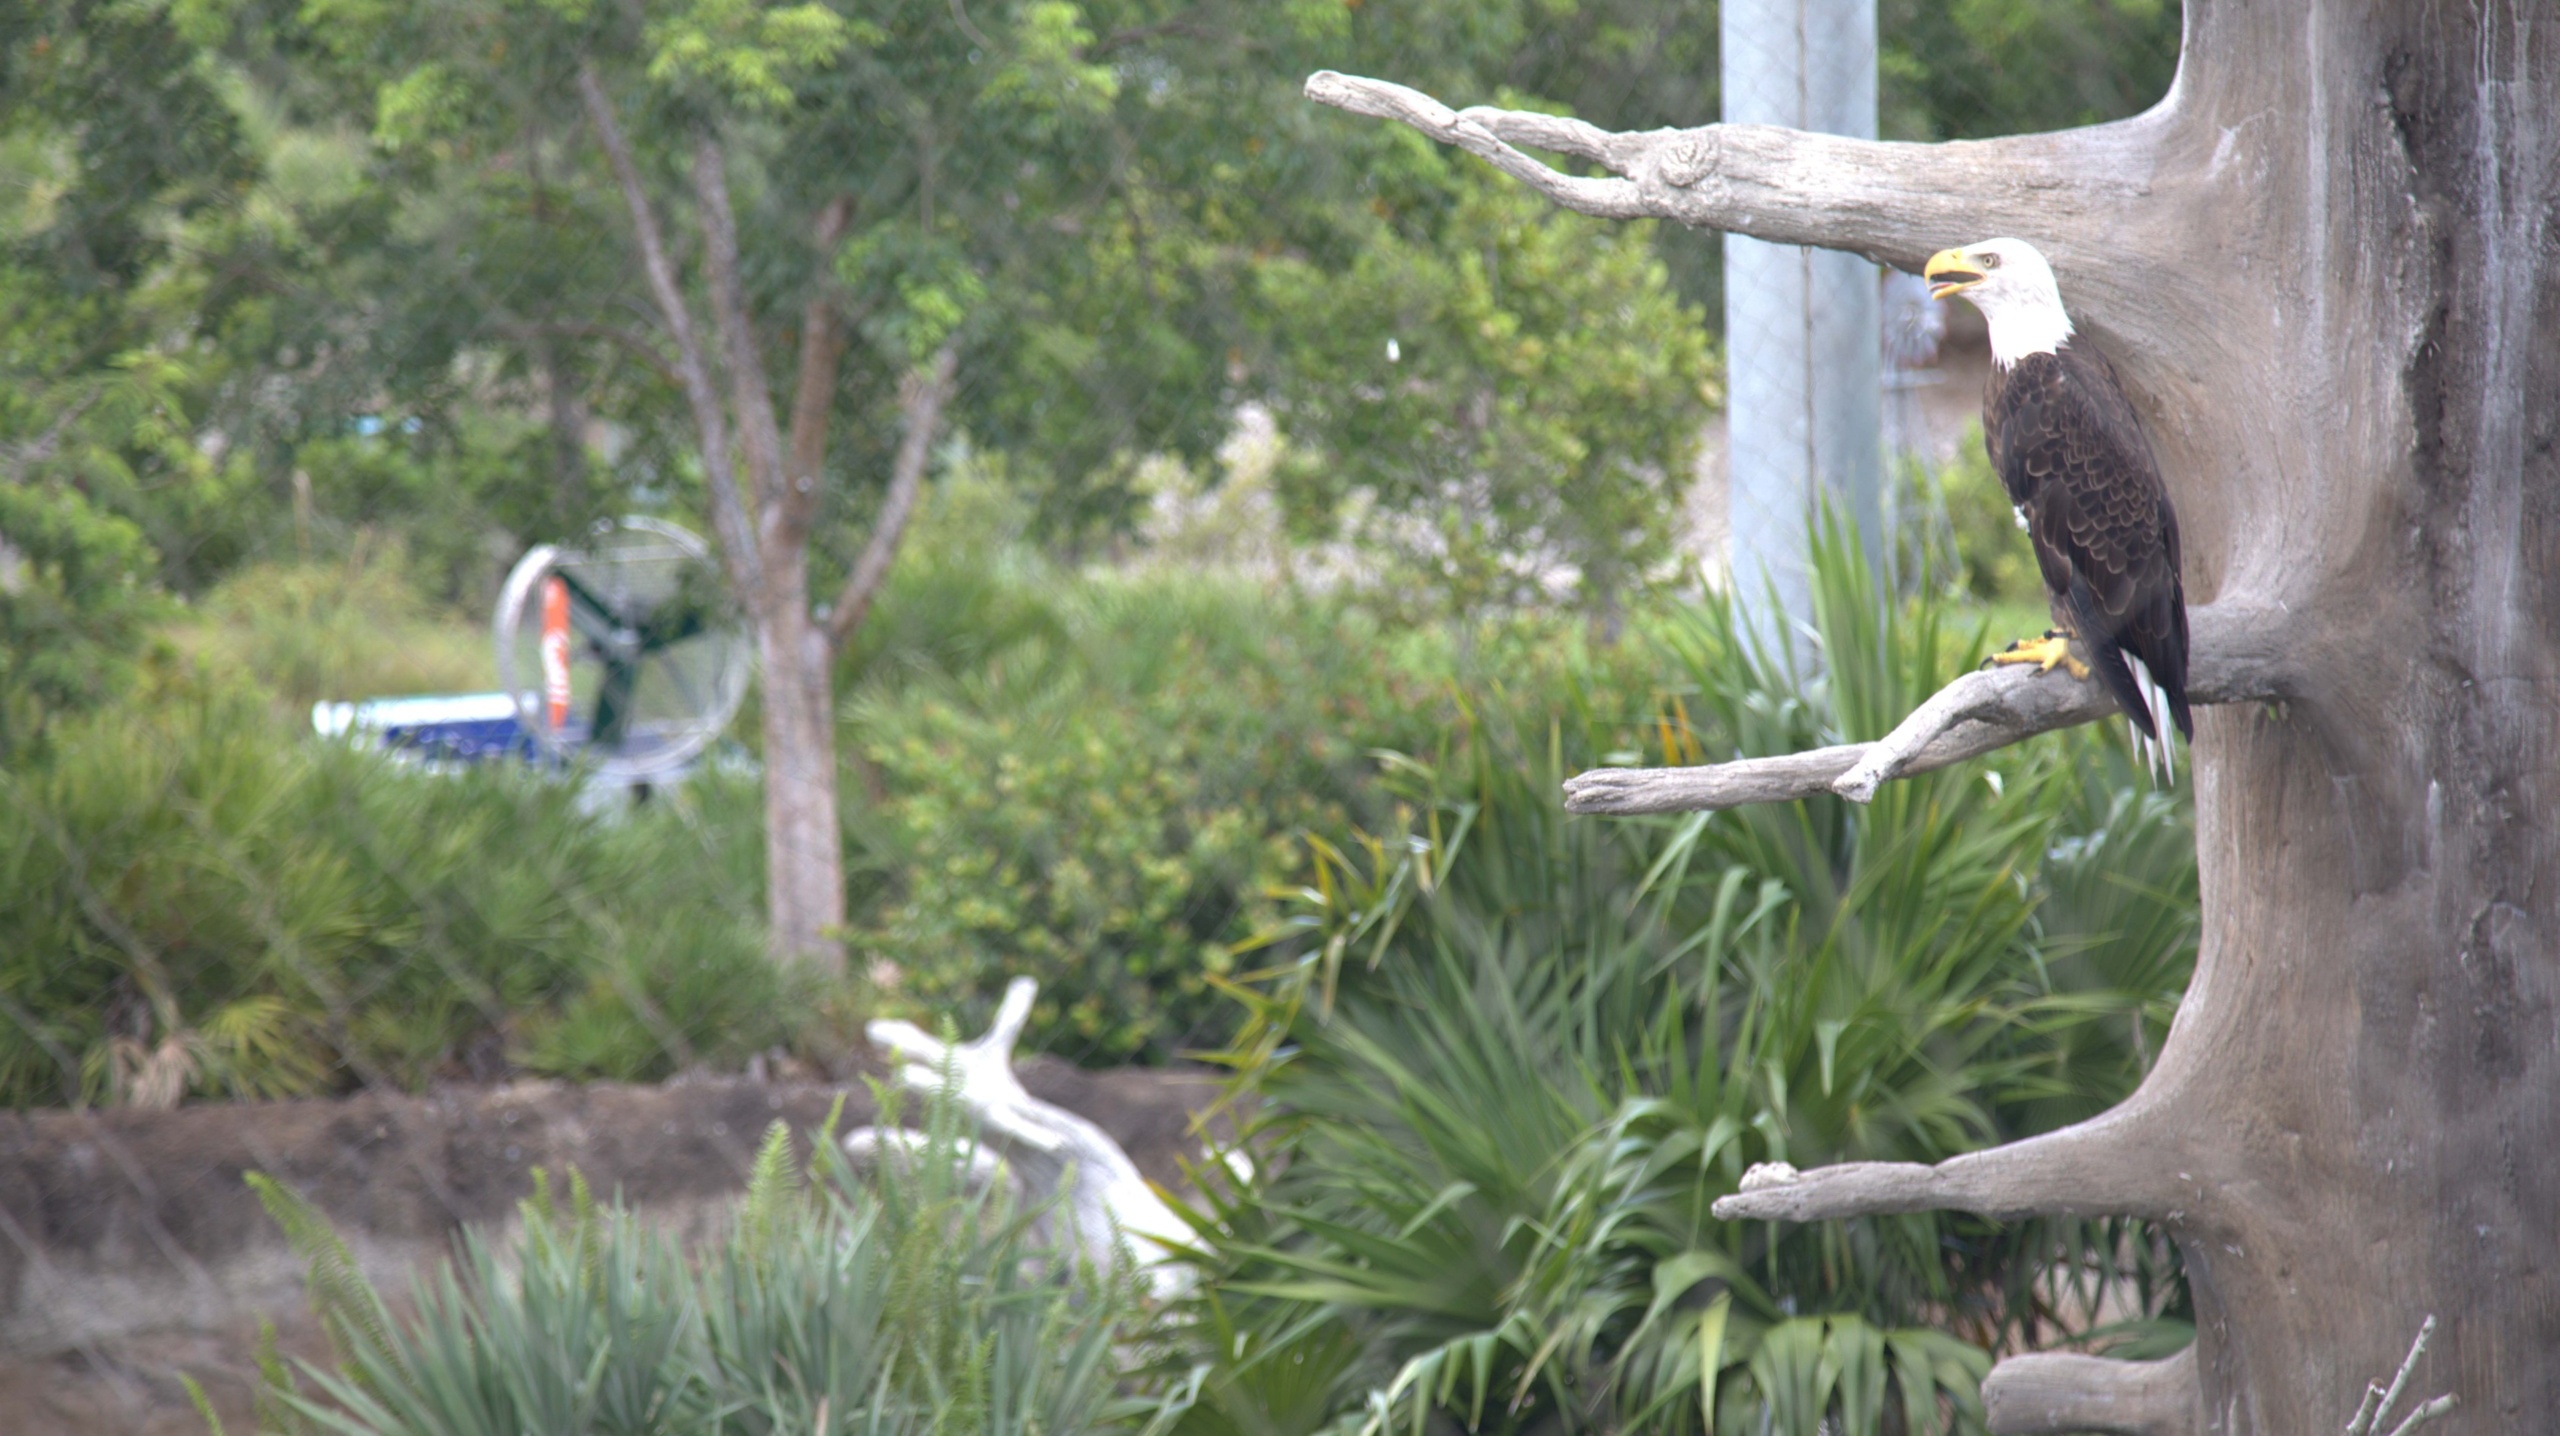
906,1304
1521,1055
76,599
204,898
352,627
1104,801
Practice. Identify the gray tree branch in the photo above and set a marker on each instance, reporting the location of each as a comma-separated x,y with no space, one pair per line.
2045,1393
751,393
2123,1162
1895,203
2238,657
738,551
822,340
920,399
41,448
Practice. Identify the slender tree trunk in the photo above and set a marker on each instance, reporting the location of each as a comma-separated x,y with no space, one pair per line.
804,846
2328,265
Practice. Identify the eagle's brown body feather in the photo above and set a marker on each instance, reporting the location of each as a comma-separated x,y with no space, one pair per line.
2073,457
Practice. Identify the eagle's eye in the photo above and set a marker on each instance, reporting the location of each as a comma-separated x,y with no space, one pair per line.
1991,261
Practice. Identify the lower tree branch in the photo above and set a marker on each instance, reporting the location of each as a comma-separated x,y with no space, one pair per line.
1895,203
2238,657
2119,1163
2057,1391
41,448
920,400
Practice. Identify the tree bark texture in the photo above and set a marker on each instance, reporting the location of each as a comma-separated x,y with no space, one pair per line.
2328,267
804,841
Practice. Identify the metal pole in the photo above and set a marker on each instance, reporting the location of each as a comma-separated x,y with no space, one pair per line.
1804,378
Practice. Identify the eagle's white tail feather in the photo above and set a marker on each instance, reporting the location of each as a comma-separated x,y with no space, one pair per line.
2160,756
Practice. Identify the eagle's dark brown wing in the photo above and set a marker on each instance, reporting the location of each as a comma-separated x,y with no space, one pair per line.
2073,458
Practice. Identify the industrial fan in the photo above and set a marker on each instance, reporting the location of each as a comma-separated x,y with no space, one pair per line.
622,653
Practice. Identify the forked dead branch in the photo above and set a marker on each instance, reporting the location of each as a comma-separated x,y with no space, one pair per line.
1894,203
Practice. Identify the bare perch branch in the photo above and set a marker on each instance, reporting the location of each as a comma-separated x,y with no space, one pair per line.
2054,1391
2238,658
1891,202
738,551
921,399
2120,1162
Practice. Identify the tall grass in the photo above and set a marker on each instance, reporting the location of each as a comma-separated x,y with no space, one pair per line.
1522,1054
905,1302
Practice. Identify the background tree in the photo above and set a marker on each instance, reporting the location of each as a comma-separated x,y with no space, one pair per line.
1042,220
111,145
293,283
782,179
2347,1128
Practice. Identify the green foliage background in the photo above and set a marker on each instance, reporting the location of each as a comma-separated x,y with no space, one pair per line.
313,315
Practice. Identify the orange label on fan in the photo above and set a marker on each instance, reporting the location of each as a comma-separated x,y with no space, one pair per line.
555,652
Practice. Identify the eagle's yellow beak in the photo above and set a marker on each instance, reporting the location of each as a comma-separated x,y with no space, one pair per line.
1949,272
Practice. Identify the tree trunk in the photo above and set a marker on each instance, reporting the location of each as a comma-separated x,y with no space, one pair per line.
804,846
2328,265
2361,1095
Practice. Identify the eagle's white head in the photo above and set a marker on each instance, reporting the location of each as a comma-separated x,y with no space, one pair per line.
2008,280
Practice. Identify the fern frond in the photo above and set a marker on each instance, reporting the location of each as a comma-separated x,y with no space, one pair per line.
773,1190
349,1309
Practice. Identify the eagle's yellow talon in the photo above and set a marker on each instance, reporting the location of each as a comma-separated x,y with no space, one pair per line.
2044,653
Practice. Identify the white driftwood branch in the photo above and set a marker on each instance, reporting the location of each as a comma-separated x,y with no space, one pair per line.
2121,1162
2044,1393
1046,1148
2237,657
1896,203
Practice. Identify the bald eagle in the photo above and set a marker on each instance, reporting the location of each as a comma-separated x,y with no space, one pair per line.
2075,462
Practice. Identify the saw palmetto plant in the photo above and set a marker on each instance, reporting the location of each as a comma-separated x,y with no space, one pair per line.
1517,1056
909,1300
